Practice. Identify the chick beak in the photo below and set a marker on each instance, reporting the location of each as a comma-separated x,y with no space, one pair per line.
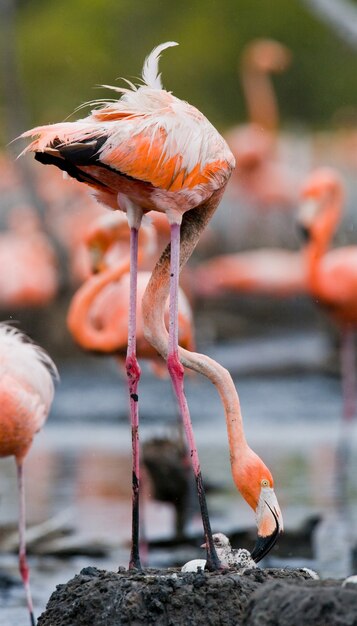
270,524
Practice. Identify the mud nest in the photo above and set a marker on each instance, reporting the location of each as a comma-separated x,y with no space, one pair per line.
169,598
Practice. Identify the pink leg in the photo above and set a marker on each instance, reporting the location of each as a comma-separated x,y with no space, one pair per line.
23,566
343,450
176,371
133,374
348,374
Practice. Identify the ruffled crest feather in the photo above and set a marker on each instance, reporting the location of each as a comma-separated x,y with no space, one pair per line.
150,74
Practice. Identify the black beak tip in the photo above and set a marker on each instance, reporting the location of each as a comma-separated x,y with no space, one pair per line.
303,232
263,545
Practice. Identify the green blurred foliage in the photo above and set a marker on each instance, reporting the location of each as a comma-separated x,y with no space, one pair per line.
66,48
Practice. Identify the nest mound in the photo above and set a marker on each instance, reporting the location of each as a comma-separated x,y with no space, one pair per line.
282,597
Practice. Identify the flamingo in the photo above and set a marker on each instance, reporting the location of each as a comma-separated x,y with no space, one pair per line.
98,321
260,58
261,175
159,153
267,271
233,559
98,314
70,210
9,178
26,392
31,276
331,274
250,474
146,151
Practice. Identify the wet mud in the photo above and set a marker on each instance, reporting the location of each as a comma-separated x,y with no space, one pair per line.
314,603
282,597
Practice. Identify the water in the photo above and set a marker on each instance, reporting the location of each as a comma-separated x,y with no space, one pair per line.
79,465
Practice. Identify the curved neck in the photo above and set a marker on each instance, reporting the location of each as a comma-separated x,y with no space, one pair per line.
105,339
157,291
259,96
313,253
320,235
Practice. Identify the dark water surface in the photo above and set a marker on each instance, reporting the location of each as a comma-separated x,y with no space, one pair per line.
79,466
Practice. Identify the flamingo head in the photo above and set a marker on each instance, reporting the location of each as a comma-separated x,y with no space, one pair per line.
251,145
220,542
108,240
255,482
321,205
267,55
102,233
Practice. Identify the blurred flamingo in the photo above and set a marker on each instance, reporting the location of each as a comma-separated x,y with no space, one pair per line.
264,178
26,392
267,271
31,276
9,178
146,151
260,59
69,212
98,321
98,314
331,274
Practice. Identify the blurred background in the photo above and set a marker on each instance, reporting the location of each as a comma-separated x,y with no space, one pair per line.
279,82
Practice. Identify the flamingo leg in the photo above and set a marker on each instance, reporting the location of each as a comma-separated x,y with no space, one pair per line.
23,565
343,450
348,374
176,371
133,376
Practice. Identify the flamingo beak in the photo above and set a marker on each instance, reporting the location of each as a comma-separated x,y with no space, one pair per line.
306,216
304,232
269,522
95,256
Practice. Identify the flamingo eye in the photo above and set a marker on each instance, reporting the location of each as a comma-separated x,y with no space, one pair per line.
265,483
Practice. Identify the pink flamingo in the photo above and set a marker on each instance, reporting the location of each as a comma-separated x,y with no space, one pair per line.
31,276
150,151
98,314
261,175
332,274
251,476
26,394
267,271
146,151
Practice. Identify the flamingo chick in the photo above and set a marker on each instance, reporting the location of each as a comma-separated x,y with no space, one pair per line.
26,394
146,151
231,558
